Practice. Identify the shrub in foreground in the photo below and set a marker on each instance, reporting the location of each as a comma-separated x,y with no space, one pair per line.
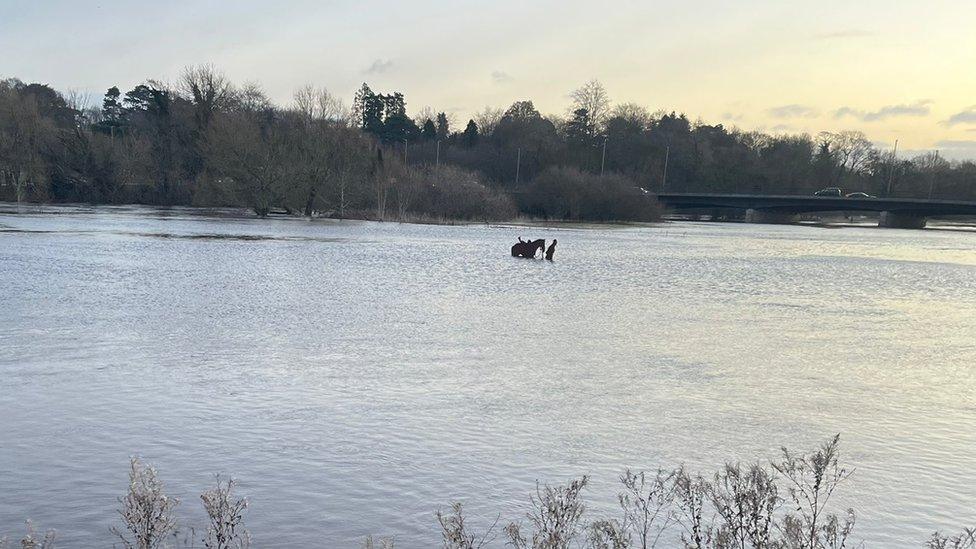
783,504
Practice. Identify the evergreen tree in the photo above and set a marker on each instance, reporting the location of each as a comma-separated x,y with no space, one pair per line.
112,110
443,126
428,133
147,98
399,127
470,136
393,104
368,109
580,130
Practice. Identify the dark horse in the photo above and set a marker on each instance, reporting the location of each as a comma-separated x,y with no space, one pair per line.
528,249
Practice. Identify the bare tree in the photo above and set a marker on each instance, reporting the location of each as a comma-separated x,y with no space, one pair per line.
592,97
930,163
25,136
424,114
350,161
383,180
320,104
84,104
406,185
250,98
208,89
147,512
487,120
638,115
555,517
852,150
226,513
252,156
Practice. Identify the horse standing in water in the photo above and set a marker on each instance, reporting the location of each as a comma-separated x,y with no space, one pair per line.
528,249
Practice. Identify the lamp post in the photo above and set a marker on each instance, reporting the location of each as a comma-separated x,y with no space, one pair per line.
603,158
518,165
667,156
891,170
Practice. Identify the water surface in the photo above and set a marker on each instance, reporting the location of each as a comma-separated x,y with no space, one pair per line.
357,376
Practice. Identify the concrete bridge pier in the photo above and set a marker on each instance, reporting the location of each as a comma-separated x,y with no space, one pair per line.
901,220
765,216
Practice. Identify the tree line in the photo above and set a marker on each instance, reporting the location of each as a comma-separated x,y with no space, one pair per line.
205,141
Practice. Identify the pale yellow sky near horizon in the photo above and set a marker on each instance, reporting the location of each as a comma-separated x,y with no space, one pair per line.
894,69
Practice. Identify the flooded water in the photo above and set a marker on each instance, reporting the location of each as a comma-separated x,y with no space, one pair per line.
356,376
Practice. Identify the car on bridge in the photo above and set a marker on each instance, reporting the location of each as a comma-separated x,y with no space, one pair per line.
830,191
859,195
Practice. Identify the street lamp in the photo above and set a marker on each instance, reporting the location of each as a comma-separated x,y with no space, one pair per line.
603,158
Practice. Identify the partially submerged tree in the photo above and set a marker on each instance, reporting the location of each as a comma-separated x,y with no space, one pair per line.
251,154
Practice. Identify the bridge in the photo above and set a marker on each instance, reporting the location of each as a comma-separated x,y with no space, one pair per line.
904,213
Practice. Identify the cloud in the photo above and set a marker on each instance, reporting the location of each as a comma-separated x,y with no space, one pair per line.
792,111
918,108
782,128
846,111
379,66
967,116
500,77
732,117
843,34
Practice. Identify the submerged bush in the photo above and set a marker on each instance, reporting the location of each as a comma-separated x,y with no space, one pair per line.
568,193
380,543
455,532
447,192
30,540
965,540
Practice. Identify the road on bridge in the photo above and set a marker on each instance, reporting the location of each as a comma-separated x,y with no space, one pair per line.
895,212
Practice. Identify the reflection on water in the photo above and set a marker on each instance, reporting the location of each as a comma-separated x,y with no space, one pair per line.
357,376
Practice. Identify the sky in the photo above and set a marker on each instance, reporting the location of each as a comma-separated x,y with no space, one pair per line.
900,70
